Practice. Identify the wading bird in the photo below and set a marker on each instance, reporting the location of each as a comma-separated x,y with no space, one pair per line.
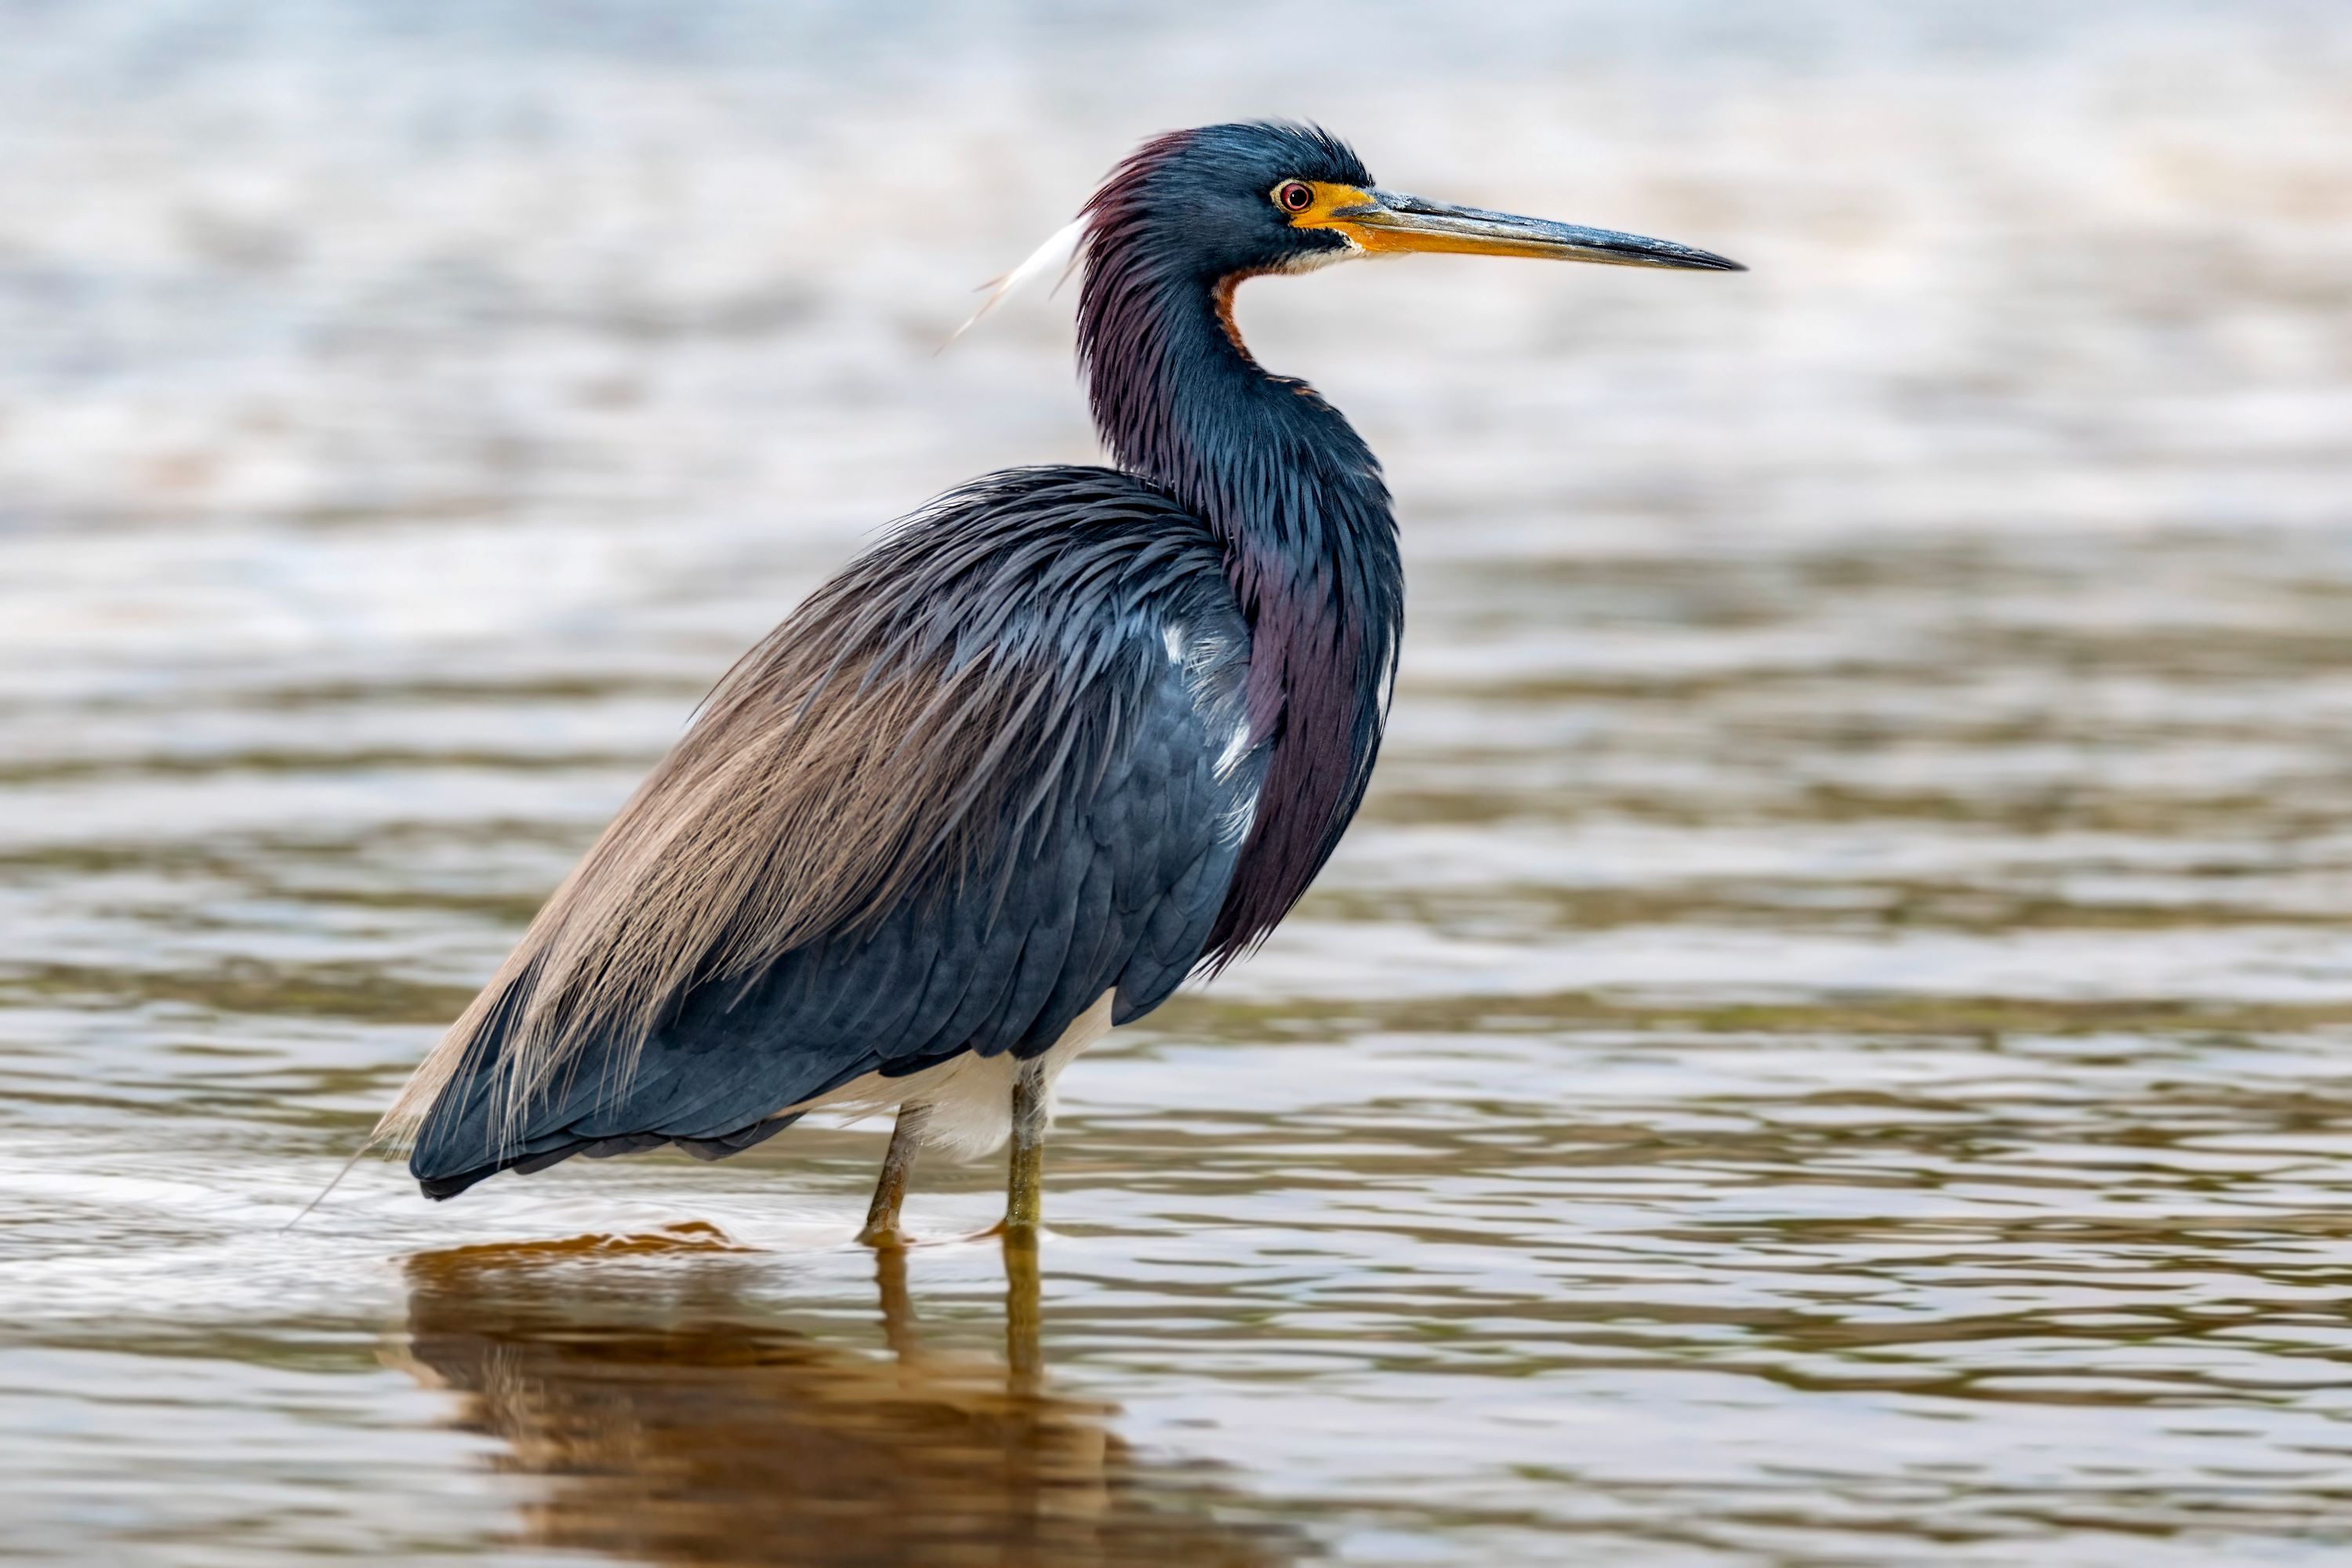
1066,736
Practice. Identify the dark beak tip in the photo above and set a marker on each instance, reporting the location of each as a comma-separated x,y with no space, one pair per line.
1699,260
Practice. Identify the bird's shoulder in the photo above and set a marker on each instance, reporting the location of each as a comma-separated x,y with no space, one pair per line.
1089,546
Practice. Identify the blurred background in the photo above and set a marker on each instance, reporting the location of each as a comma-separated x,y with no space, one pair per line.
1832,1041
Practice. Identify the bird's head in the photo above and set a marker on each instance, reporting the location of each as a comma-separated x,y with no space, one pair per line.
1225,202
1208,208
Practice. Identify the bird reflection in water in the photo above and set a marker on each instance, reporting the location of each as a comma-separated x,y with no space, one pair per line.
673,1427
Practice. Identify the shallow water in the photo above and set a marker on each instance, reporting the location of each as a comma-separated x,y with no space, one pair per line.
1832,1041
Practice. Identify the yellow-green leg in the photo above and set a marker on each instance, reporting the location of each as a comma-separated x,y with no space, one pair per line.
898,1165
1023,1204
1023,1197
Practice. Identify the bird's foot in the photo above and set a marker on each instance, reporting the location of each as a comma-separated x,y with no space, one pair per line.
1003,1230
890,1238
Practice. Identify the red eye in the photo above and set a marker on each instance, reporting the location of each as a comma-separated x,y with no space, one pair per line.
1292,195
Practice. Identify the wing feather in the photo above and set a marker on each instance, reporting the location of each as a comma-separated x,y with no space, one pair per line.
967,788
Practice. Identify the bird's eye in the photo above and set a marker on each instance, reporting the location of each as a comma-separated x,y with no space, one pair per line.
1293,196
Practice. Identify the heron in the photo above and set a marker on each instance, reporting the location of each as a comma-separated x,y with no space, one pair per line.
1066,736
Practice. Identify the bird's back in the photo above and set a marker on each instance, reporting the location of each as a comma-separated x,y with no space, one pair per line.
997,770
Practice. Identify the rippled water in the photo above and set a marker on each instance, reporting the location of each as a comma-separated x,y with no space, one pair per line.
1832,1041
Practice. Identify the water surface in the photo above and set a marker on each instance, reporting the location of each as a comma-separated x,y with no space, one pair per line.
1832,1041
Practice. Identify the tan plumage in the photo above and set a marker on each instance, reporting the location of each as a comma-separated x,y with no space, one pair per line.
832,768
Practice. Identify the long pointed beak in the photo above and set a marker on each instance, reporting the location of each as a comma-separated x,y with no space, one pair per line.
1388,223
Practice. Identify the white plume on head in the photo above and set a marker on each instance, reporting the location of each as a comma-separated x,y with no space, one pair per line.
1061,250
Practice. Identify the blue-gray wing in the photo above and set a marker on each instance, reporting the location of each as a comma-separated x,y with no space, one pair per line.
998,768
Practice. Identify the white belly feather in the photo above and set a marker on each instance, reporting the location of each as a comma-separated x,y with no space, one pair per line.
971,1097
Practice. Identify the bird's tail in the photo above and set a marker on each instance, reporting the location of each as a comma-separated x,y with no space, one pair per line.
481,1024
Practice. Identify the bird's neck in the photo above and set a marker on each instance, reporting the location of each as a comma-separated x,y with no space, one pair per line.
1283,479
1181,402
